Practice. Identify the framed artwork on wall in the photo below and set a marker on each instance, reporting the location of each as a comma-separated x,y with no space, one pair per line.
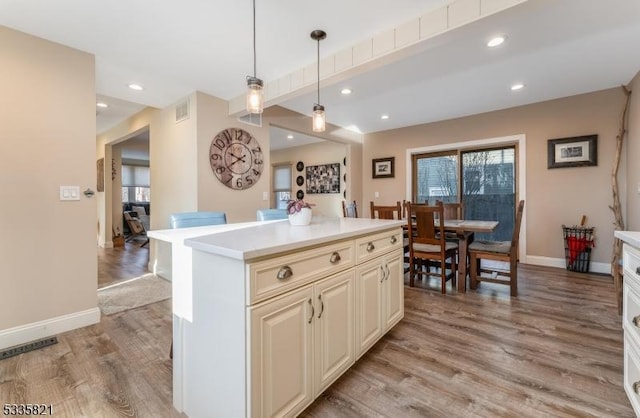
382,167
100,170
578,151
323,178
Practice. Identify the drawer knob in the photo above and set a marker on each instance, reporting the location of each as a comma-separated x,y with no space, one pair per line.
394,239
636,321
370,247
284,273
335,257
636,387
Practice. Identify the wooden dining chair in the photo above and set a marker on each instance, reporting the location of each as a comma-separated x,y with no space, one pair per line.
349,210
506,251
454,210
427,244
386,212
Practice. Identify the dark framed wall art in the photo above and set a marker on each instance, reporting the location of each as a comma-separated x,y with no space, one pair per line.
578,151
382,167
323,178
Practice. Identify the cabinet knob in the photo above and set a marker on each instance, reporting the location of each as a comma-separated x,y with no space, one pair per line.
335,257
313,311
394,239
636,387
284,273
370,247
636,321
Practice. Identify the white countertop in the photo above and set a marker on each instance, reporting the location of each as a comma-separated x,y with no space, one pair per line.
630,237
268,238
180,234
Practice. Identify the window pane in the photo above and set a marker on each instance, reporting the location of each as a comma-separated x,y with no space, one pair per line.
489,189
125,194
437,179
143,194
281,199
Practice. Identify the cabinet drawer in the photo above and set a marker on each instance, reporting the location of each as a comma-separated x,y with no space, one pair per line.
631,264
632,374
372,246
269,278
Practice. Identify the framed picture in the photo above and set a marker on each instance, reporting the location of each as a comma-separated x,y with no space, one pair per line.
382,167
100,171
577,151
323,178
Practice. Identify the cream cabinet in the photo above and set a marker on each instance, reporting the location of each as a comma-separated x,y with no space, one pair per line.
278,313
631,324
380,298
302,342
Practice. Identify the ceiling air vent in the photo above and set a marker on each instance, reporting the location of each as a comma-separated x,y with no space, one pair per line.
182,111
253,119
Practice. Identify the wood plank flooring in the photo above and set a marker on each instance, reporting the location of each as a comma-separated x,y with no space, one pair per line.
122,263
555,351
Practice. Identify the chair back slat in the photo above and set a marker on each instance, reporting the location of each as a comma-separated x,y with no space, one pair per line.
386,212
516,228
422,222
453,210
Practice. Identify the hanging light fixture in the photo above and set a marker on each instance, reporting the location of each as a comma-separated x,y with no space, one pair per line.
318,109
255,93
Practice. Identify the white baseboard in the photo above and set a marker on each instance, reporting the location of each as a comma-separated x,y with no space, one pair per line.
42,329
604,268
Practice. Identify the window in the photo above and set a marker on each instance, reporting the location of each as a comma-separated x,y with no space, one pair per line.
282,185
135,184
485,176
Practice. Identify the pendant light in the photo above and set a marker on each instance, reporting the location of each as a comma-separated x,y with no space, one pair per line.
255,93
318,109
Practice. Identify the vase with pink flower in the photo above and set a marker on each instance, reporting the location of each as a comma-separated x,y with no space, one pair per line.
299,212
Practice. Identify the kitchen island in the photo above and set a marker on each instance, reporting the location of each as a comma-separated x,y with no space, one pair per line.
278,312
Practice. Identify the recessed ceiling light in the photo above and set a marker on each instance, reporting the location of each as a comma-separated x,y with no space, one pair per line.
103,105
517,86
498,40
384,117
346,91
134,86
289,136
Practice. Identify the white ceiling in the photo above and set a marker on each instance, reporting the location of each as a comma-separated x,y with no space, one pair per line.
556,48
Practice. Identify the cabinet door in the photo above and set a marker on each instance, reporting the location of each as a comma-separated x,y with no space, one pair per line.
334,328
393,293
368,305
281,359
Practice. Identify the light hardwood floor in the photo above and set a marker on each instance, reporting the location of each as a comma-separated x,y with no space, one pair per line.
555,350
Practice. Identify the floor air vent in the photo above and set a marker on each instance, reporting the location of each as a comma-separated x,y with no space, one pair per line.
33,345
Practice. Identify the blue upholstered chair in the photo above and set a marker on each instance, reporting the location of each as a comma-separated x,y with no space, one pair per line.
271,214
189,219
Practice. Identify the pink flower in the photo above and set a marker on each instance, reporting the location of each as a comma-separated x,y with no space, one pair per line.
295,206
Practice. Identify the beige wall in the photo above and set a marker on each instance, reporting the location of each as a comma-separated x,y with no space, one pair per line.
632,142
325,152
239,205
48,259
554,197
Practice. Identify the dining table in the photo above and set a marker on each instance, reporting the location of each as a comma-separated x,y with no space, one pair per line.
465,230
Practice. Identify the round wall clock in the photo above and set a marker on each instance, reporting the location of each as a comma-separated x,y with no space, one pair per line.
236,158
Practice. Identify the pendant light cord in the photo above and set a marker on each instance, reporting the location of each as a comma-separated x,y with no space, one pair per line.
318,70
254,39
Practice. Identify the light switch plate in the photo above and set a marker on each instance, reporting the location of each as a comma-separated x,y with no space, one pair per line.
69,192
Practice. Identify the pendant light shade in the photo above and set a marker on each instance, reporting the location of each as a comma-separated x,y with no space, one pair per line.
318,109
255,95
318,118
255,92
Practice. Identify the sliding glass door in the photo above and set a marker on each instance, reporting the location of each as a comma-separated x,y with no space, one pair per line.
486,178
